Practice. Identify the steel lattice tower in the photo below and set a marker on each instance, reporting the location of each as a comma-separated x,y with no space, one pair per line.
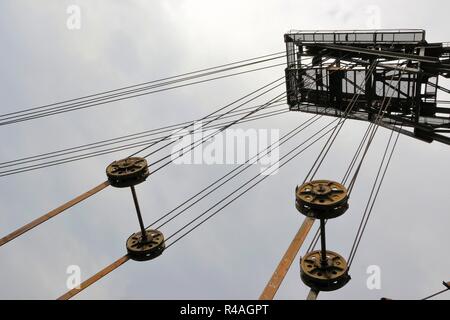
408,70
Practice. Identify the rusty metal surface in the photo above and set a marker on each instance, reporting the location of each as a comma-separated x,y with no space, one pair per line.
322,199
329,275
283,267
70,294
141,249
52,213
127,172
322,193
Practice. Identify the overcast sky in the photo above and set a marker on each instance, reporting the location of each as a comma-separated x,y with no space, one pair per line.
233,255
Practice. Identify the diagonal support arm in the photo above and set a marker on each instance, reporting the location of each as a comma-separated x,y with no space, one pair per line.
283,267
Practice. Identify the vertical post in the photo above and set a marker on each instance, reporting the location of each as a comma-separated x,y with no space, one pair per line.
323,258
138,211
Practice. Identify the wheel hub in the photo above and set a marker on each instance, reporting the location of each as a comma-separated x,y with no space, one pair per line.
322,199
329,275
145,248
127,172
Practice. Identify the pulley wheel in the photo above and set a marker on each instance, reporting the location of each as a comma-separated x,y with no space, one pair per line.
141,249
127,172
322,199
329,276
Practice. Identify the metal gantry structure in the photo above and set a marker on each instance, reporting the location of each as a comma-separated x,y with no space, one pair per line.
414,103
400,73
388,78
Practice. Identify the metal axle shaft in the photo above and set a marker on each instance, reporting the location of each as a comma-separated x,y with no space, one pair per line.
138,211
323,258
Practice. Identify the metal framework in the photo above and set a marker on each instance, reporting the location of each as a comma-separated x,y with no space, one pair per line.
408,69
339,60
326,70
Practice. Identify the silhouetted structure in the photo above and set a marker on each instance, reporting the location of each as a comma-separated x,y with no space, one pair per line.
406,75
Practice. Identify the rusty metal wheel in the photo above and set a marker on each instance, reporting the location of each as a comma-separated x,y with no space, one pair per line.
322,199
127,172
141,249
329,276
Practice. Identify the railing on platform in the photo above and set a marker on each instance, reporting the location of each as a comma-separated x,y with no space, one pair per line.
408,36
